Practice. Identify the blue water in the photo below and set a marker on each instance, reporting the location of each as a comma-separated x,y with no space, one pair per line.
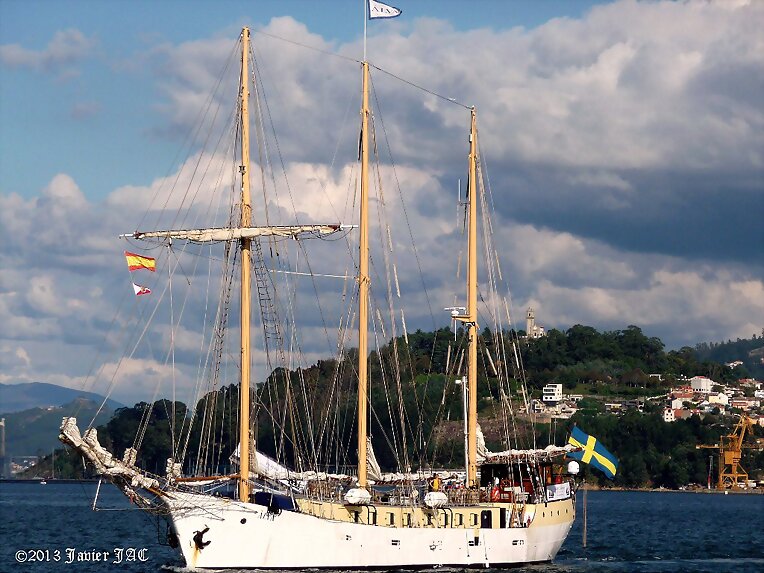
667,532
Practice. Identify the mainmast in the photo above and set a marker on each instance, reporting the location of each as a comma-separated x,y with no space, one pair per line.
246,221
471,317
363,283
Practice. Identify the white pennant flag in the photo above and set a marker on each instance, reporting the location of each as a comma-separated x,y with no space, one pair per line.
380,10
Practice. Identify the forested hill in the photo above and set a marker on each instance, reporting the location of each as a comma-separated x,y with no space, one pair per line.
591,362
748,351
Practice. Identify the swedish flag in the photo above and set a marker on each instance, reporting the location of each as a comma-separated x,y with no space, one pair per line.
593,452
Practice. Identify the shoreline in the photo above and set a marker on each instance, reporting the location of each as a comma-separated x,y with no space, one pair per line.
752,491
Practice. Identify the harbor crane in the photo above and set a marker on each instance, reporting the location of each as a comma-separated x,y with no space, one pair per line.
730,447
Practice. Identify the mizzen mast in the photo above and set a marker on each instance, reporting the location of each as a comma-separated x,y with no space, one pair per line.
363,284
245,244
471,316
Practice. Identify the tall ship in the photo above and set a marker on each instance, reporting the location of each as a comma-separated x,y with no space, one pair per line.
283,473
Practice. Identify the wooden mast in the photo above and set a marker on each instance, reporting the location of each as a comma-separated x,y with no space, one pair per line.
363,283
471,318
246,221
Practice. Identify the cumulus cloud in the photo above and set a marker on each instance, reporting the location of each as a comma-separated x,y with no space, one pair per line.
623,151
65,50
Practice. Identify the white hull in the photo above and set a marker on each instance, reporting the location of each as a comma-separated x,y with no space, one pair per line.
242,535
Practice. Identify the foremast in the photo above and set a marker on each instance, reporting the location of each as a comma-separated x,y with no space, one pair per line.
245,244
243,234
363,285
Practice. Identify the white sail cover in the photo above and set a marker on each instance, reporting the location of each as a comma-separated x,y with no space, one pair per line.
482,450
485,456
270,468
373,470
528,455
217,234
264,465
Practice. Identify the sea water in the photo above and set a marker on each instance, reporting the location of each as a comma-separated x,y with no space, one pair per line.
52,528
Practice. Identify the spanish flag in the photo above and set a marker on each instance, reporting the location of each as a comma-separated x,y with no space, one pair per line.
593,452
135,262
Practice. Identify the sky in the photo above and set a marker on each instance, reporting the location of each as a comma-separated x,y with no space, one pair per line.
623,140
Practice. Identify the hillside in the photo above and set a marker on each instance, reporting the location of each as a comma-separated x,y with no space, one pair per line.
749,351
20,397
595,364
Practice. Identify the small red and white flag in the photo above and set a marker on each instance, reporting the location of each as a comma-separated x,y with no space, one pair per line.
139,290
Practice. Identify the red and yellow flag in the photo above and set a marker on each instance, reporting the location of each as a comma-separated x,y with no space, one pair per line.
135,262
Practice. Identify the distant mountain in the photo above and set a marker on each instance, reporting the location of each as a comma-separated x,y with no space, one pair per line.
20,397
34,431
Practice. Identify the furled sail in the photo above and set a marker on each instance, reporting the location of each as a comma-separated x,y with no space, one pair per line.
482,450
217,234
373,470
122,471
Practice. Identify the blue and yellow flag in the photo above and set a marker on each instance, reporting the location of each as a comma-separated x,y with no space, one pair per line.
593,453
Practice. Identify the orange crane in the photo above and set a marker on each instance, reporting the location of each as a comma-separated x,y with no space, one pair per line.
731,473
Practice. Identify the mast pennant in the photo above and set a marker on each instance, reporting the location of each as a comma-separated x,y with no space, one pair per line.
381,10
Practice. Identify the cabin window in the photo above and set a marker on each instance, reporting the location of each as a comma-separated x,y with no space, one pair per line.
459,519
391,516
408,520
356,516
473,518
429,520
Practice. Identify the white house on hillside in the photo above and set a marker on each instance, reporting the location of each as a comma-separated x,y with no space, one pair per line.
678,403
701,384
552,393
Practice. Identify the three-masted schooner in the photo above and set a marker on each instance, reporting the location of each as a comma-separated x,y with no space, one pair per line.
512,507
